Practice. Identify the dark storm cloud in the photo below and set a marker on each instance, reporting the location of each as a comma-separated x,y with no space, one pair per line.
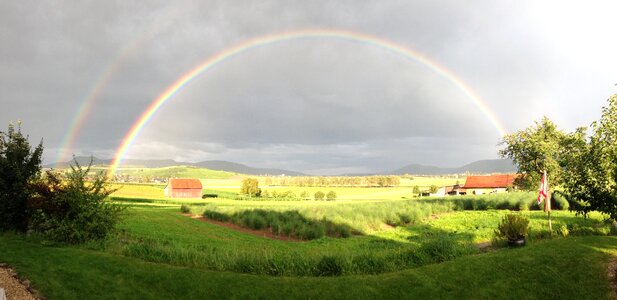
320,105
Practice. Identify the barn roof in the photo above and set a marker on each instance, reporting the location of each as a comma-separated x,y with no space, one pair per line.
490,181
185,183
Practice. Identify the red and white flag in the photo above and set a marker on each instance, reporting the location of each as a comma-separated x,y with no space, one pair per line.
543,189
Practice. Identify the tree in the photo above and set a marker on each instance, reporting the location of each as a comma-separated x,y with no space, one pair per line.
250,187
416,190
433,189
535,149
591,177
331,196
19,166
319,195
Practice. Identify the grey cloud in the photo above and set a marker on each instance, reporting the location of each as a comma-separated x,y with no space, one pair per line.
286,103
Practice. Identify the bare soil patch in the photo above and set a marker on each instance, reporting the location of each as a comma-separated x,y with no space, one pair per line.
612,276
265,233
16,288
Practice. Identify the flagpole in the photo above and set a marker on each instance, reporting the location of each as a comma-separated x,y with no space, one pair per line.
547,204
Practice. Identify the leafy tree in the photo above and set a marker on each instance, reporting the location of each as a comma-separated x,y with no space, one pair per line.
250,187
591,165
535,149
319,195
19,166
74,207
304,195
331,196
433,189
416,190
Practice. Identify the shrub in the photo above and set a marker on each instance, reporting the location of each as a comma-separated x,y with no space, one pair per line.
331,196
513,227
204,196
442,249
563,230
74,208
185,209
319,195
329,266
215,215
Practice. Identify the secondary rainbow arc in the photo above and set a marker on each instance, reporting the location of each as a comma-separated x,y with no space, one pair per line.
210,62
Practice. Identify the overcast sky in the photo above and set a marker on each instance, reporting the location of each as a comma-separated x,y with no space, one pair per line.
317,105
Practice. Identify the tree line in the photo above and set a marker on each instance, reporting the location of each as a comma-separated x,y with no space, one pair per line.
333,181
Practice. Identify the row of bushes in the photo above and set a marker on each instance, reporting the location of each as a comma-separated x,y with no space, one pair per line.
511,201
291,263
284,223
289,196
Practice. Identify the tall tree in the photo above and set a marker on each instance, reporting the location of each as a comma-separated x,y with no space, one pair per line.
535,149
250,187
591,177
19,166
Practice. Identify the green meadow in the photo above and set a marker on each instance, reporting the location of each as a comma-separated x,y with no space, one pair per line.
368,243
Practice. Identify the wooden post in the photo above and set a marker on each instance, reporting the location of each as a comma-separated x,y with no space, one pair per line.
548,205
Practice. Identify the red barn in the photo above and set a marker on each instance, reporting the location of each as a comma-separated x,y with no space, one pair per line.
488,184
183,188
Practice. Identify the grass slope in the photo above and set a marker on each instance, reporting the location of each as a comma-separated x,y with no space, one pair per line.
562,268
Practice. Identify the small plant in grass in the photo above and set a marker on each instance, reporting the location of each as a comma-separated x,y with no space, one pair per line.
514,228
185,209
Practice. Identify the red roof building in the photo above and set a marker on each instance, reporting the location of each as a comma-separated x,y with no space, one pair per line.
488,183
183,188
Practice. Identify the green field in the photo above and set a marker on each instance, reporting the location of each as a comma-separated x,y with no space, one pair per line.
396,247
174,172
160,253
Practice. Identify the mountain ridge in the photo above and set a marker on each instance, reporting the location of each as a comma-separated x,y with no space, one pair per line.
485,166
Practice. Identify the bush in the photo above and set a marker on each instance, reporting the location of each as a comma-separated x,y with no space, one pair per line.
331,196
217,216
74,208
185,209
513,227
329,266
204,196
442,249
319,195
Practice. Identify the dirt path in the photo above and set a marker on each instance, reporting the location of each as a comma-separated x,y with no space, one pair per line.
266,233
14,288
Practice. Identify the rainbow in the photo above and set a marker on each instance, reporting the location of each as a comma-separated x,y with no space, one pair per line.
260,41
125,53
85,108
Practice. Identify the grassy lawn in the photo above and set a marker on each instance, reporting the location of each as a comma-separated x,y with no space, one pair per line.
560,268
165,236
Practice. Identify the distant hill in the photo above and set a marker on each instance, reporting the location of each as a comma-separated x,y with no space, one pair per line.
478,167
243,169
218,165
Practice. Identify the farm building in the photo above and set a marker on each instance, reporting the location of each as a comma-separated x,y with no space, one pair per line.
476,185
183,188
451,190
